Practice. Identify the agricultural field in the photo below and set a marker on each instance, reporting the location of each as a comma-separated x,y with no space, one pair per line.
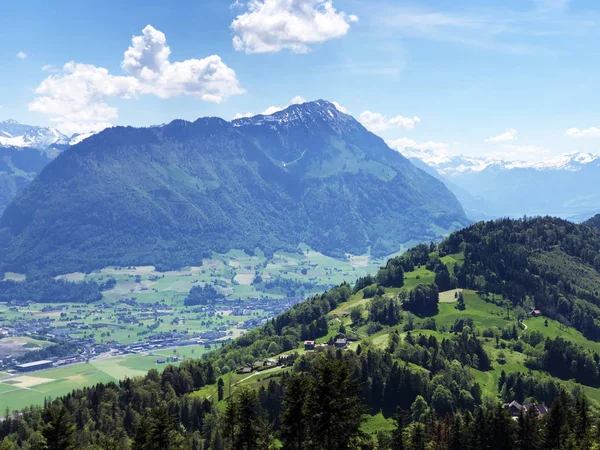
236,275
145,300
31,388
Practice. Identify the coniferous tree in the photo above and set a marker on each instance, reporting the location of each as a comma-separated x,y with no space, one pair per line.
336,410
581,419
417,436
502,426
220,386
455,439
400,418
249,420
159,430
479,433
295,417
59,431
528,424
556,421
230,422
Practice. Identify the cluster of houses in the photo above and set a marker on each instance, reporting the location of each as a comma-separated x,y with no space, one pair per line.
515,408
71,326
262,365
340,342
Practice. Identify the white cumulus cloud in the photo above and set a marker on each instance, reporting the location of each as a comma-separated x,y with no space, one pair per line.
404,143
207,79
429,152
297,100
340,108
589,132
22,55
77,97
378,122
269,26
508,135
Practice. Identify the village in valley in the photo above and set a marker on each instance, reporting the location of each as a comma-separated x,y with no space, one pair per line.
144,320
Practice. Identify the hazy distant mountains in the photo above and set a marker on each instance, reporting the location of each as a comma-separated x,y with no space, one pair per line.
170,195
565,186
24,151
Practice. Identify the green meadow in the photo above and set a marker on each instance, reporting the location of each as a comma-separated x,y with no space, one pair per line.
31,388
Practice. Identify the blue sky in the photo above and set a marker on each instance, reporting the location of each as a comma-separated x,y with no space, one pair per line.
516,79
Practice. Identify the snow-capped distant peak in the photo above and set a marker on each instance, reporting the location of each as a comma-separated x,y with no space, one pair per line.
571,162
456,165
583,158
15,134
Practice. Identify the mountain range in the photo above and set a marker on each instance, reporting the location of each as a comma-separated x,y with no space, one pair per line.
47,140
170,195
24,151
564,186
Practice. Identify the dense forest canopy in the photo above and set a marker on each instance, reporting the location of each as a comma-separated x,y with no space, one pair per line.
593,221
45,289
547,263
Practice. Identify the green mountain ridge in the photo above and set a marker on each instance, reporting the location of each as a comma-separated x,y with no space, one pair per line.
593,221
167,196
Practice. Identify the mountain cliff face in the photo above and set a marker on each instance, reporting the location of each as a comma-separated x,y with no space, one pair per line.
170,195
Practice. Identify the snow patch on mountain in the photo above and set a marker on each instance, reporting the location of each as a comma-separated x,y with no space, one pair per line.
77,138
299,114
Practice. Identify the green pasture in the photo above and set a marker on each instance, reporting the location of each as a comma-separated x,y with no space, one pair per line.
62,380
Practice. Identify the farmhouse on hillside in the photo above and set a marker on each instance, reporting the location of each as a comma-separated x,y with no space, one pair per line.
515,408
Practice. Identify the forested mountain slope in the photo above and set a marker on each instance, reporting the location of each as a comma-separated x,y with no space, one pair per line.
18,167
429,365
169,195
548,263
593,221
